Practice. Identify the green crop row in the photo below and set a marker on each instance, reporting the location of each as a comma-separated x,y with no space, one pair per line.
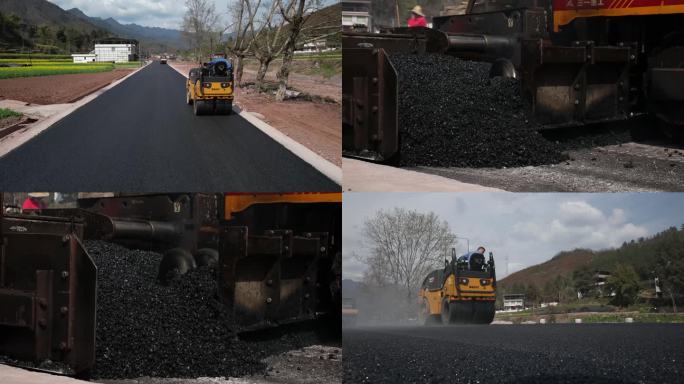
25,60
46,70
10,55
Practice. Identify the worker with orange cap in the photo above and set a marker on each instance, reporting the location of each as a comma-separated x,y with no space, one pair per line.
417,18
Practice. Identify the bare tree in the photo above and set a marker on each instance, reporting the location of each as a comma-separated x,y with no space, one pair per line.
240,43
199,24
269,41
404,246
293,11
296,13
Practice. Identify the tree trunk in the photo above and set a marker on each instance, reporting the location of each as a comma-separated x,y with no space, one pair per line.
284,72
261,73
238,70
288,54
674,305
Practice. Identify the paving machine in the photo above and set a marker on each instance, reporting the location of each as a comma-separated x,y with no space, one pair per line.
209,88
277,258
578,61
463,292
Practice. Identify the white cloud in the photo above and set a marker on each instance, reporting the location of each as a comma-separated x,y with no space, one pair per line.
580,225
618,216
579,213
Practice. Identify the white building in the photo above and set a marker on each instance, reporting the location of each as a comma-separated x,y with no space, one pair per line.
84,57
514,302
118,53
110,50
356,13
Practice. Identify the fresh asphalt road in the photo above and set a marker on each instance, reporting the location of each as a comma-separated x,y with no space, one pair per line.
140,136
571,353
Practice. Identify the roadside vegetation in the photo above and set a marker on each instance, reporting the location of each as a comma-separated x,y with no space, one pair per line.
7,113
22,65
326,67
53,68
21,57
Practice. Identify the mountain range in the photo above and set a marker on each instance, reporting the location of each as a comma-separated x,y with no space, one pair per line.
151,35
43,12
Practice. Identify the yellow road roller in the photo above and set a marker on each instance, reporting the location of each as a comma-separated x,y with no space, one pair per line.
209,88
464,292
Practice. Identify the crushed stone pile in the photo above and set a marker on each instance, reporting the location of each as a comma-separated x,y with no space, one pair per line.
452,115
179,330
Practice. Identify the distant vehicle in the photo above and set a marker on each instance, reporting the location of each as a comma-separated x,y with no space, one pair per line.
349,312
162,61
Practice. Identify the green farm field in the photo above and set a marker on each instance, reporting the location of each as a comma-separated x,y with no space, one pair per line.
46,65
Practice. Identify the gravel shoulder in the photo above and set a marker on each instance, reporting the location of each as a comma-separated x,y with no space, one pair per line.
57,89
632,167
314,124
309,365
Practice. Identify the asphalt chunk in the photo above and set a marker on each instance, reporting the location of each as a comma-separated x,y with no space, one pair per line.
145,329
452,115
180,330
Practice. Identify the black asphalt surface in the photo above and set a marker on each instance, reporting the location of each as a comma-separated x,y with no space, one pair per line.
140,136
571,353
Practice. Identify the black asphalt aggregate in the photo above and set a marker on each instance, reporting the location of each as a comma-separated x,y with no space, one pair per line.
452,114
140,136
179,330
561,353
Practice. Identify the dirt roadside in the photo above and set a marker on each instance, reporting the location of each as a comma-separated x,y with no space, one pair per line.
316,125
57,89
316,85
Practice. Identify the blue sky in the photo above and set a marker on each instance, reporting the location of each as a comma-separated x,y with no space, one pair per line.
150,13
527,228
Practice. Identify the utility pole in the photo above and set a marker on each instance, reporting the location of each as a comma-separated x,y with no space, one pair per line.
396,8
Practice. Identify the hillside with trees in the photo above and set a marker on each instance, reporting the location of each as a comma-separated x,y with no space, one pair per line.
19,35
632,268
41,26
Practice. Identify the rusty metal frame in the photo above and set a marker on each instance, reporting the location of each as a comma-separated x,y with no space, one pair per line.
48,288
566,85
269,278
370,98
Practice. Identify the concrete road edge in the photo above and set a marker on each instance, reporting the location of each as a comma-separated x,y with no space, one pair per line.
363,176
20,137
322,165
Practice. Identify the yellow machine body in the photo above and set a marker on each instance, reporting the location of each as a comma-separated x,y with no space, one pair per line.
463,292
210,90
238,202
472,290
